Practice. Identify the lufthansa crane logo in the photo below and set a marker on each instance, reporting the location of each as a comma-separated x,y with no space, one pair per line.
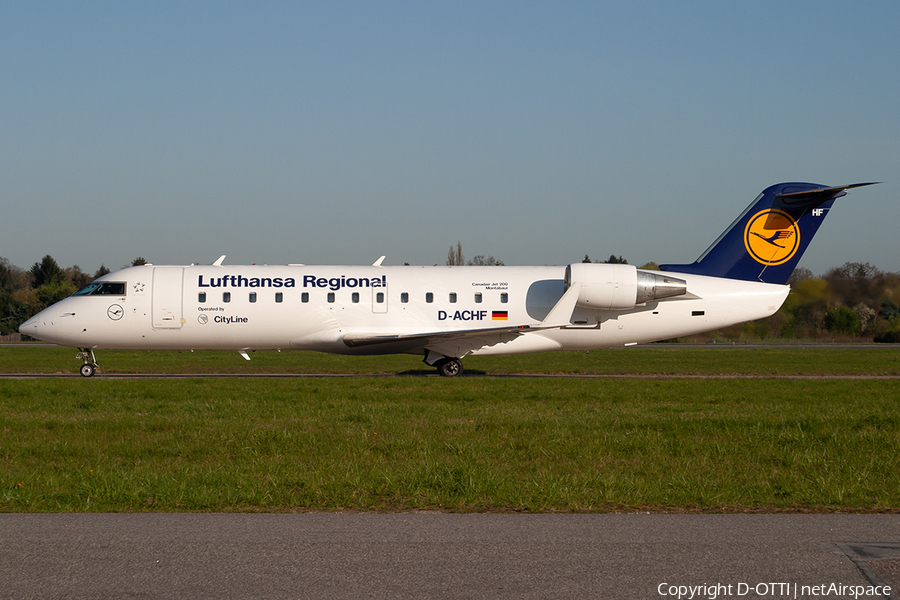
771,237
115,312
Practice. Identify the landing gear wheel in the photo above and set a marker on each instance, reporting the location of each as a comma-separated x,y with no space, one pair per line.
449,367
86,355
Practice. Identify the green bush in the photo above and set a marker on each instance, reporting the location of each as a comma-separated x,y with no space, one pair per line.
842,320
888,337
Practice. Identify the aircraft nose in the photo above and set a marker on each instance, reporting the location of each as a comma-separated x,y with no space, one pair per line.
28,326
36,327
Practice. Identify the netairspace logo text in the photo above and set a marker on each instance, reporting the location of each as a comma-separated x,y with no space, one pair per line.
713,591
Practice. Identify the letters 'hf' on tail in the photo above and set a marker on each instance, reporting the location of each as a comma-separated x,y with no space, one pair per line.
446,313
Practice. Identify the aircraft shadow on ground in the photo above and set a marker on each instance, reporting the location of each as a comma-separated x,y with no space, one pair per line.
429,372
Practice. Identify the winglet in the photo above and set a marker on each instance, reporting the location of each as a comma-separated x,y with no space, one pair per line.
219,261
378,262
561,314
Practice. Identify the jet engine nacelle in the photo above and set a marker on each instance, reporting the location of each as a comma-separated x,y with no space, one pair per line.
619,287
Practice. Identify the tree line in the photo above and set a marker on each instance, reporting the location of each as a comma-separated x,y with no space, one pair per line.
854,300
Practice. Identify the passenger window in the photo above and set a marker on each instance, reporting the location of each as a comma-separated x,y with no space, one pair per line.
504,297
477,297
429,297
226,296
404,297
304,297
453,297
279,297
252,296
331,296
201,297
379,297
355,297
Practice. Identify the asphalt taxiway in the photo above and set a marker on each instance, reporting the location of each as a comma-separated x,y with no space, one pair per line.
436,555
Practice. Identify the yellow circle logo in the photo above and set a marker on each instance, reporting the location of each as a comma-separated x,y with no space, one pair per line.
771,237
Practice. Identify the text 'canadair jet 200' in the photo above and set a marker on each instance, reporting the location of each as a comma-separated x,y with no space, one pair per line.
446,313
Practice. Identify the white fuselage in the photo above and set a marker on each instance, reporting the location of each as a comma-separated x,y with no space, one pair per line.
321,307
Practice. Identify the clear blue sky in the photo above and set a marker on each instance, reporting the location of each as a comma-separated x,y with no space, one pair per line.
536,132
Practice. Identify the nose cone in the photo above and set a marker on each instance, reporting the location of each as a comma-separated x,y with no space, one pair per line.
29,327
37,327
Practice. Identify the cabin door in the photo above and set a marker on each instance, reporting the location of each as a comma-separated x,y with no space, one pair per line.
167,297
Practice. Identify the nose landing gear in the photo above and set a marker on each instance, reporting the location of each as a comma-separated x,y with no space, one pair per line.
86,355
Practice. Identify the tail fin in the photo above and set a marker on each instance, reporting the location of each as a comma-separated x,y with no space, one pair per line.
766,242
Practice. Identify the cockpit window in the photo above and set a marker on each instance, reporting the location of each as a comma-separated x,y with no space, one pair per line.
103,288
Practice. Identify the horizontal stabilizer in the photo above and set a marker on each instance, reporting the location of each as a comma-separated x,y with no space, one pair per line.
816,197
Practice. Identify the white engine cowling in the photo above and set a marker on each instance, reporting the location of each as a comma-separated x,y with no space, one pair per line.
619,287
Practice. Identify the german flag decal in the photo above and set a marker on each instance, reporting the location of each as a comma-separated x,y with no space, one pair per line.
499,315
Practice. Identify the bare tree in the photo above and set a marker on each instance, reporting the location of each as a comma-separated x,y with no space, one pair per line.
481,261
455,258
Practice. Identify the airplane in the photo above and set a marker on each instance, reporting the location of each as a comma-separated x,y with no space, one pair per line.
445,313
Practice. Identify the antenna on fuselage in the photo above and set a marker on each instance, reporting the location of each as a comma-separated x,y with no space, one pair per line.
219,261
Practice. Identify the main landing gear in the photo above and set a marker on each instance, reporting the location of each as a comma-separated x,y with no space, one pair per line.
449,367
90,363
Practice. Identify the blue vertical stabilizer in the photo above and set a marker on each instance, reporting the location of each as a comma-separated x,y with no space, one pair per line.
766,242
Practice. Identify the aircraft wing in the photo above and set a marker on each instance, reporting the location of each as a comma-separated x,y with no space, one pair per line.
449,343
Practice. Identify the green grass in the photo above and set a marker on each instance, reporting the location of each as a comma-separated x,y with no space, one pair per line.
658,359
469,444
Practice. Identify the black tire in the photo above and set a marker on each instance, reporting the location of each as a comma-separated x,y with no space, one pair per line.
450,367
88,370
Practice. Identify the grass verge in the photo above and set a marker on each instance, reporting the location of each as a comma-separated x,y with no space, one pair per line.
476,444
